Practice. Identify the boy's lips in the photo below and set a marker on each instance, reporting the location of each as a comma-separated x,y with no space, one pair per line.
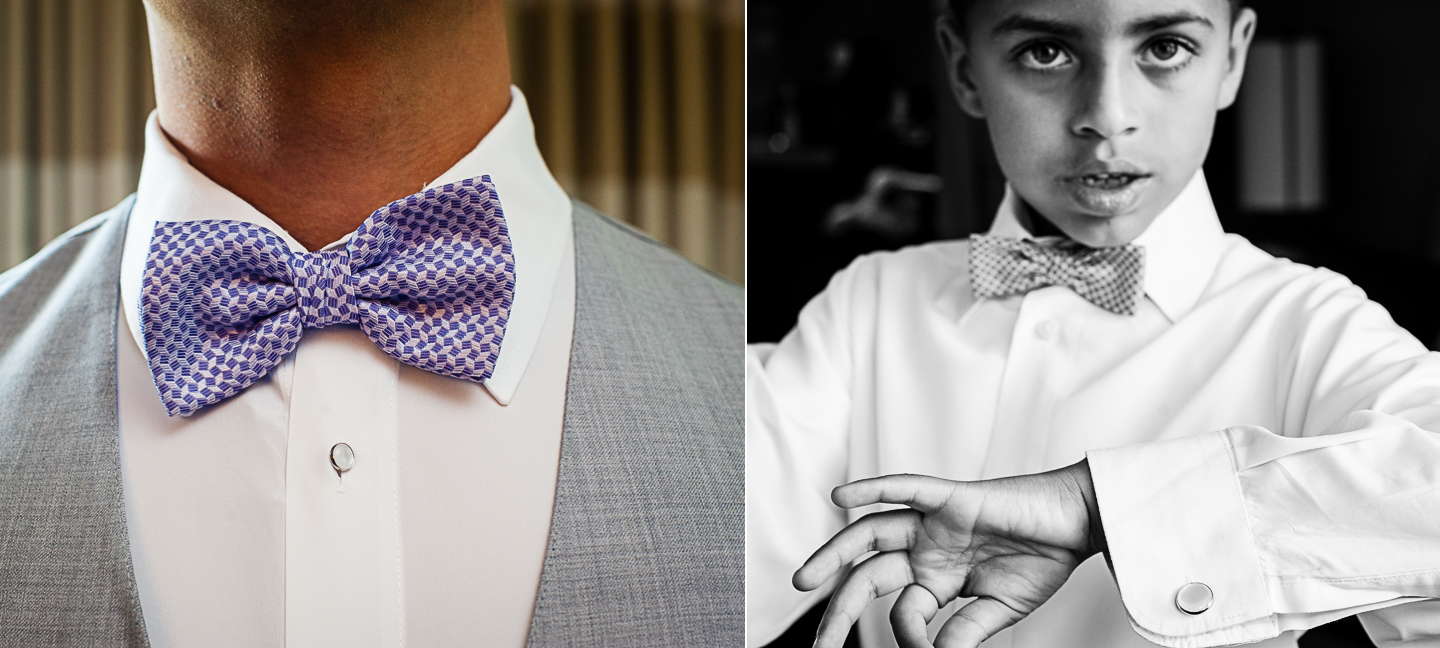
1114,174
1107,191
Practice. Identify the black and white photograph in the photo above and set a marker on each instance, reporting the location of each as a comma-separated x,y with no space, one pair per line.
1092,323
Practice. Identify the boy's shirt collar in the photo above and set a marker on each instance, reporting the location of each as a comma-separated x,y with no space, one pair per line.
1182,245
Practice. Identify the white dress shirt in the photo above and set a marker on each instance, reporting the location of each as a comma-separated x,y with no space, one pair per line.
242,534
1325,508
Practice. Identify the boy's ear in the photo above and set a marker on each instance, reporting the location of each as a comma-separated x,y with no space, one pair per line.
957,63
1241,33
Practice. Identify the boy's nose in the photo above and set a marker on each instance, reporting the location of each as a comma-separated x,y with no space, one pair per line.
1104,111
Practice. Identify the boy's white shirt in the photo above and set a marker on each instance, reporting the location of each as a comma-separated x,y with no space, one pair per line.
1272,435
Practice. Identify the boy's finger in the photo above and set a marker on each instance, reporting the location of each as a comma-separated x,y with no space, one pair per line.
912,612
885,531
872,579
926,494
977,621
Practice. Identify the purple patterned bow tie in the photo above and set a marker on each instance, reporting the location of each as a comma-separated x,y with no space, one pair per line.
1107,277
429,278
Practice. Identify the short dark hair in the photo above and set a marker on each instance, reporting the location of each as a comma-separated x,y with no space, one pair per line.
958,9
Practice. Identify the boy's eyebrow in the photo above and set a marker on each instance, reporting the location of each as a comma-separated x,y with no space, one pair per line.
1027,23
1165,21
1024,23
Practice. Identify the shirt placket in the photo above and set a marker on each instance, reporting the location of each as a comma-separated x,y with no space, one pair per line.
1037,372
342,545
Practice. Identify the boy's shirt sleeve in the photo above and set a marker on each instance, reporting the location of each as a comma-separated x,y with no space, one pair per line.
1335,515
797,431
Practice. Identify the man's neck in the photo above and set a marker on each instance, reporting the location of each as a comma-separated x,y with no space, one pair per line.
317,113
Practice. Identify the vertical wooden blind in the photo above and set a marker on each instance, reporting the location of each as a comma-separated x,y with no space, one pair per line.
75,89
637,106
638,111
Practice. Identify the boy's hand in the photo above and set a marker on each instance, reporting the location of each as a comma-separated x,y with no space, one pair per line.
1010,543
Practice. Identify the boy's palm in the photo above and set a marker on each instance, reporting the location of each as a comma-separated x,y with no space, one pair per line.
1011,543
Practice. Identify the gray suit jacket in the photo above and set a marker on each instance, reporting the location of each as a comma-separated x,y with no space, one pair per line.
647,540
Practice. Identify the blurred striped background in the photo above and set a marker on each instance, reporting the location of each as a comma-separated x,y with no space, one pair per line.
637,104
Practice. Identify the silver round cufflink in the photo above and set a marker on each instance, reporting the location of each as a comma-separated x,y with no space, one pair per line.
342,458
1194,598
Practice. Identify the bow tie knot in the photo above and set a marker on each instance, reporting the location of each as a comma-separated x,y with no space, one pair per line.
325,288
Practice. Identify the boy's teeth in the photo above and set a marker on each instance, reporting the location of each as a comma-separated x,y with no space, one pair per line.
1105,178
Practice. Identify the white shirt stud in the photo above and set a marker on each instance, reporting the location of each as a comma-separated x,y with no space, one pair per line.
1194,598
342,458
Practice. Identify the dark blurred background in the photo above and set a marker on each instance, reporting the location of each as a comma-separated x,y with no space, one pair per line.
1329,157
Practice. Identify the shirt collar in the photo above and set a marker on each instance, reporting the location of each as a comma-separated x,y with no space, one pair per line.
1183,245
537,214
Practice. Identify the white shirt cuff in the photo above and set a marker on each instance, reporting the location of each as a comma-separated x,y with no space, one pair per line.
1174,514
1286,533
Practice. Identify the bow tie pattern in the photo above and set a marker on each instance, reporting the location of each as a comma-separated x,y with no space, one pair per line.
1107,277
429,278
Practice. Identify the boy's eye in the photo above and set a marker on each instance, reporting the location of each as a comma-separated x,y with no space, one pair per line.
1044,56
1168,53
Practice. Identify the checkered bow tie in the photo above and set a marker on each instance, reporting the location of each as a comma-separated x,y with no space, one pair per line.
1107,277
429,278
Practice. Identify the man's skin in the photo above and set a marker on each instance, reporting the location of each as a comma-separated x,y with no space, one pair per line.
318,112
1070,90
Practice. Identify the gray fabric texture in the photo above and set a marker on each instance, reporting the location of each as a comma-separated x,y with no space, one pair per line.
647,540
648,534
65,573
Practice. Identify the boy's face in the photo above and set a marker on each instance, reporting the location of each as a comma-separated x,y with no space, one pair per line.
1100,110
